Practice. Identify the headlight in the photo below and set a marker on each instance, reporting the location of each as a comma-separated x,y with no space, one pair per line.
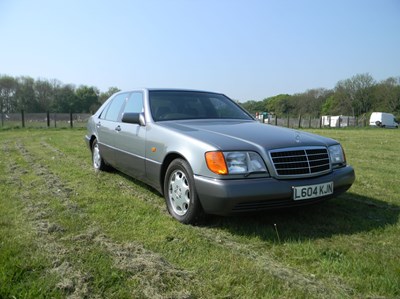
235,162
336,154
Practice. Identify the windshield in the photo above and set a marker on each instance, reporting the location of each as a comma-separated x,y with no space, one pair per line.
174,105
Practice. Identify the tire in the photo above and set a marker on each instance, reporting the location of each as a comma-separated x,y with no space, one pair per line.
378,123
97,161
180,193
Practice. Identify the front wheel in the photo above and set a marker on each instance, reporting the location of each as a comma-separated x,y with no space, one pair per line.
180,193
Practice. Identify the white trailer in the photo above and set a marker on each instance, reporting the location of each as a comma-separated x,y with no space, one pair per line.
383,120
337,121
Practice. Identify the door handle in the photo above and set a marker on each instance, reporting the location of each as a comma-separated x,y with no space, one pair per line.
98,125
118,128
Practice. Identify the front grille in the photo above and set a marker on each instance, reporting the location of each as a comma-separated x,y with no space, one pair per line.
300,162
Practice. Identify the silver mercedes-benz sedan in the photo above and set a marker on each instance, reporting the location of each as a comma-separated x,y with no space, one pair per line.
207,155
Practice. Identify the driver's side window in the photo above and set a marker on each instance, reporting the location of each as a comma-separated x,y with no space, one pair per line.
112,111
134,103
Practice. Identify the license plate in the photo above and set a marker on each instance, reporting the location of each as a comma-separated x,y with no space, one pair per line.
312,191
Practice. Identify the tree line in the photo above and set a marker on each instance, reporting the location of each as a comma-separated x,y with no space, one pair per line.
356,96
41,95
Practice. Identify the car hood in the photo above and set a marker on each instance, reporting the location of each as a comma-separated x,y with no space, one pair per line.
242,135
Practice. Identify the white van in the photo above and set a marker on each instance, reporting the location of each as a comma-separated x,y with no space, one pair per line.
384,120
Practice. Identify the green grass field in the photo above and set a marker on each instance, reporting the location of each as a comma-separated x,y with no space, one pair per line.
68,232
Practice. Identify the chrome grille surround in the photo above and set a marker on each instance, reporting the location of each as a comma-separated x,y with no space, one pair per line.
300,162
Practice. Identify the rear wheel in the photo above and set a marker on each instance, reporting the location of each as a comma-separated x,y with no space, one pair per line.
180,193
98,162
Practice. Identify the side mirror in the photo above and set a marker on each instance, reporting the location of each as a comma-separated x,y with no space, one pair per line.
133,118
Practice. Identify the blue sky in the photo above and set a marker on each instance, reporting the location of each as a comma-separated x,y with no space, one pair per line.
248,50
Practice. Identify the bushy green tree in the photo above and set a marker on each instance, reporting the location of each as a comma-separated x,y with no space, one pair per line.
87,99
254,106
24,97
7,92
105,95
65,99
280,105
386,95
355,94
44,94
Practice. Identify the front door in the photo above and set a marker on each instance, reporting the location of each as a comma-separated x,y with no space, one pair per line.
130,140
107,128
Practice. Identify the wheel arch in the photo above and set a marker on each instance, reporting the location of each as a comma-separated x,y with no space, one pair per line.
92,139
164,166
194,209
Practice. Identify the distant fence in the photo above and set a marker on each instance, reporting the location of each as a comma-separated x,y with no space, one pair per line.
312,122
43,120
70,120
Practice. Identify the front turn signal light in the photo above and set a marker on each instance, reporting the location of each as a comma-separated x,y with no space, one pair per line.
216,162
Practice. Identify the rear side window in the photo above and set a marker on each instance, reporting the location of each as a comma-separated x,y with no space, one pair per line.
113,111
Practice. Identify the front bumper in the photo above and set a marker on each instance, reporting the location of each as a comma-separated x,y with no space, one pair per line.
224,197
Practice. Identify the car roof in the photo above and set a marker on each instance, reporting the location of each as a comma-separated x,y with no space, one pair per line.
168,89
